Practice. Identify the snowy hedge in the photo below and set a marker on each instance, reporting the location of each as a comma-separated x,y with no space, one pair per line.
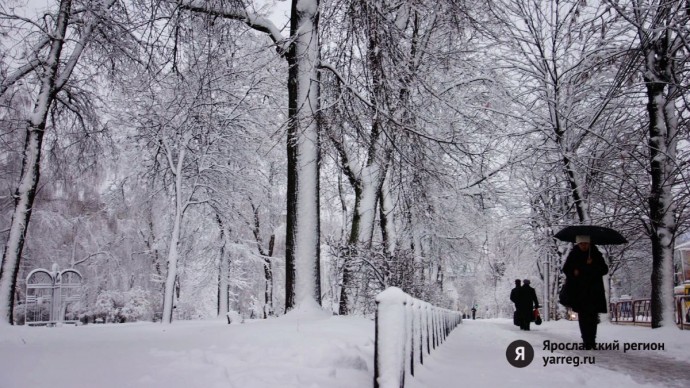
116,306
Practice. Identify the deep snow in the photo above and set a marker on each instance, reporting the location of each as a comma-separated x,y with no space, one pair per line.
315,349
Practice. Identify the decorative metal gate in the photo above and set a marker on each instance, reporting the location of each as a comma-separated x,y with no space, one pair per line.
48,293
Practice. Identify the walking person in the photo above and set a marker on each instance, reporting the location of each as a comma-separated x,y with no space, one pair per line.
514,293
583,269
527,302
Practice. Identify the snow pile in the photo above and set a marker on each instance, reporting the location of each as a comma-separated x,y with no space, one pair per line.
307,309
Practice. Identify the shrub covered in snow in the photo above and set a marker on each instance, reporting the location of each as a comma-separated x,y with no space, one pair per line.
137,306
116,306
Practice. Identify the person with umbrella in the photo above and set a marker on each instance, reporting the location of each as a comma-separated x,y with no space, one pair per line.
584,268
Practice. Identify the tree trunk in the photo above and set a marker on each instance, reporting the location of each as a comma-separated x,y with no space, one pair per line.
223,270
368,183
302,241
268,290
30,173
386,216
265,255
173,253
662,127
303,149
366,189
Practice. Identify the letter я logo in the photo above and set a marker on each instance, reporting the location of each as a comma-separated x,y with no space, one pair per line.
520,353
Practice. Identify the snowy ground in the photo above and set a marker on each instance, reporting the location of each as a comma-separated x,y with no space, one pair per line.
475,354
318,350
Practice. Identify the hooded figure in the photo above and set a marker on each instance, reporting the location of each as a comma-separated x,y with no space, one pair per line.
584,268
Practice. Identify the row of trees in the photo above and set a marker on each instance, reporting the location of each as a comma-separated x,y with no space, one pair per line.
413,130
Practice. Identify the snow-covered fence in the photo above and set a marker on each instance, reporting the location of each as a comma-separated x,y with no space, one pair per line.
406,330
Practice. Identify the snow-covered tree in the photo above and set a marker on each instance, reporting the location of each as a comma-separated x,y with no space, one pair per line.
55,46
301,50
661,57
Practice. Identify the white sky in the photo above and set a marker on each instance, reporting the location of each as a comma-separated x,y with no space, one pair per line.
317,350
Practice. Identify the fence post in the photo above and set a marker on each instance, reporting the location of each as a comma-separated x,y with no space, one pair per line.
427,327
403,325
389,353
376,347
420,336
410,332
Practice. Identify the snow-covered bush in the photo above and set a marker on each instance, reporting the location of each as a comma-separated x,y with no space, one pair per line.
188,309
104,307
20,314
137,306
76,311
119,307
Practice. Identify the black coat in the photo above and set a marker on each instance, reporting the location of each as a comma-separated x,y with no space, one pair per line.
526,298
514,295
587,287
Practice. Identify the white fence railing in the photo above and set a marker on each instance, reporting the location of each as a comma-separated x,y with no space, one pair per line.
407,329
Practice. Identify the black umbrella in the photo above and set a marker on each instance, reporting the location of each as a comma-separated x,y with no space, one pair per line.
597,234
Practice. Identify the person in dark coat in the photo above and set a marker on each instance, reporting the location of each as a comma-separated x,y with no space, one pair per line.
514,298
527,302
584,268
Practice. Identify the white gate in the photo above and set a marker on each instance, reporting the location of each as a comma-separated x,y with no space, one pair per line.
48,293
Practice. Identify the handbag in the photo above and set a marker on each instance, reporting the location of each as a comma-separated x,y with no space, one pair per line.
537,317
565,296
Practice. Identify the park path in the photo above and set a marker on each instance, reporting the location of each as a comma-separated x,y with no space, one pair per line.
475,355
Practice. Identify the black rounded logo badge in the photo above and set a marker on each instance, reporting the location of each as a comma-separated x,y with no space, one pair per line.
520,353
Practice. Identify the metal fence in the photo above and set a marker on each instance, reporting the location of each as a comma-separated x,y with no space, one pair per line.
406,330
631,311
638,311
